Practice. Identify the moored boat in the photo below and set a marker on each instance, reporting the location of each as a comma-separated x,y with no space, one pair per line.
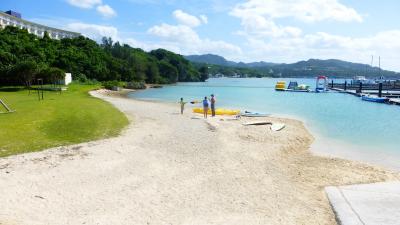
373,98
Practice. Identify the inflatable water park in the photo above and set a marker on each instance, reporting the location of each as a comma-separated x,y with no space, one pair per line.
321,86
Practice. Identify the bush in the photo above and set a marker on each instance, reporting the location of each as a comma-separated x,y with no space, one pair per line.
136,85
114,83
81,78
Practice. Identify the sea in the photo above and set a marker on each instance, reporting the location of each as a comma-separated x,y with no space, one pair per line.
343,125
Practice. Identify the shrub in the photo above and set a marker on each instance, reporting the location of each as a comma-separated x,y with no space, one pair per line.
114,83
136,85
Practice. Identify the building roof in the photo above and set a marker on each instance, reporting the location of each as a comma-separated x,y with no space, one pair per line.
36,24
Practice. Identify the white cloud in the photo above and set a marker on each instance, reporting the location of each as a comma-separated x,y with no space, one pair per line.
184,40
327,46
106,11
204,19
94,31
179,33
258,16
97,32
258,26
303,10
268,40
85,4
186,19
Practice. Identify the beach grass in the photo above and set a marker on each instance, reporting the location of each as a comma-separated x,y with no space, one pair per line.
70,117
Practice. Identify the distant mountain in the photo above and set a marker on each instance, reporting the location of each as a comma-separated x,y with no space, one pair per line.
221,61
332,68
210,59
310,68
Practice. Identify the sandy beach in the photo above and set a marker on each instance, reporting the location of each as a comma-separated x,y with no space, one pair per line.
167,168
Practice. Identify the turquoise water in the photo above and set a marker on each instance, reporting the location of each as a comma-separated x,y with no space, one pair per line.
334,116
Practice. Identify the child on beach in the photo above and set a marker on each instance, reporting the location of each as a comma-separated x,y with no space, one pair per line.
182,103
205,107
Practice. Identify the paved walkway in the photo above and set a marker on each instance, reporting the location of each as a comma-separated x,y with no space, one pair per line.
366,204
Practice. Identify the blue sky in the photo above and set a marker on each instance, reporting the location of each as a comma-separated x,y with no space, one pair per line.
240,30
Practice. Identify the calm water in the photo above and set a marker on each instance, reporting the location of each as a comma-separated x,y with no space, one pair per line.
368,130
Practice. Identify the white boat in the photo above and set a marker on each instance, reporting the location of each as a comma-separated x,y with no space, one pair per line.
361,79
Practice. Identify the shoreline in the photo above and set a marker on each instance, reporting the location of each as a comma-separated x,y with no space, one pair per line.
179,169
336,147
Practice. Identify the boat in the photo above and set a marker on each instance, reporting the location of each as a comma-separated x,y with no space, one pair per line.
374,98
280,86
361,79
229,112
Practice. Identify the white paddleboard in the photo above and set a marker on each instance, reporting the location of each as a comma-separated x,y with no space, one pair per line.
277,126
257,123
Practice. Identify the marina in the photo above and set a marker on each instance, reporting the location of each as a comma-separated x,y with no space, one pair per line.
389,90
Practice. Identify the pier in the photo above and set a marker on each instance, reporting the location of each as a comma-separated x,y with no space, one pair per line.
388,89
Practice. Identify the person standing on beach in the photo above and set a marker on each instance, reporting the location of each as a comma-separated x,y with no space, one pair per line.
205,107
182,103
212,101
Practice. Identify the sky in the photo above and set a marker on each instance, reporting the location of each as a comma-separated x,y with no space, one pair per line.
279,31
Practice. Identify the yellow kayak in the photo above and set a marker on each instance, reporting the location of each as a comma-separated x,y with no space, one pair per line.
218,111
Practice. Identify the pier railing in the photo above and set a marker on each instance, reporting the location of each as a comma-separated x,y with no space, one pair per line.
387,88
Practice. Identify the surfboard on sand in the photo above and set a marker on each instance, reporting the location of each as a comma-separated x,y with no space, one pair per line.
277,126
254,114
257,123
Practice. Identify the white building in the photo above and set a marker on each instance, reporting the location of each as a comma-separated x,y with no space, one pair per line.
13,19
67,79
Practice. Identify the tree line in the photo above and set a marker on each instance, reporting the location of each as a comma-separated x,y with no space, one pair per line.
25,57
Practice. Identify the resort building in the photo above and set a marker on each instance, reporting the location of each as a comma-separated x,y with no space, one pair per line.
11,18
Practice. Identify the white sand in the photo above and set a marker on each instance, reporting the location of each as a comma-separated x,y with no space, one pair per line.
171,169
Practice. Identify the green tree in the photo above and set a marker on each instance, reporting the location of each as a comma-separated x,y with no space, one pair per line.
153,73
52,74
168,71
25,71
203,73
88,60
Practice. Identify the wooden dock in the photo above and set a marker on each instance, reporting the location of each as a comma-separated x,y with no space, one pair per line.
390,90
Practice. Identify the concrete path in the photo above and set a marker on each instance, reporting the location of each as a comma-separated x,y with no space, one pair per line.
366,204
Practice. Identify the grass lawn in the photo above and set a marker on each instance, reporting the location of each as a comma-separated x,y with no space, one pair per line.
60,119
